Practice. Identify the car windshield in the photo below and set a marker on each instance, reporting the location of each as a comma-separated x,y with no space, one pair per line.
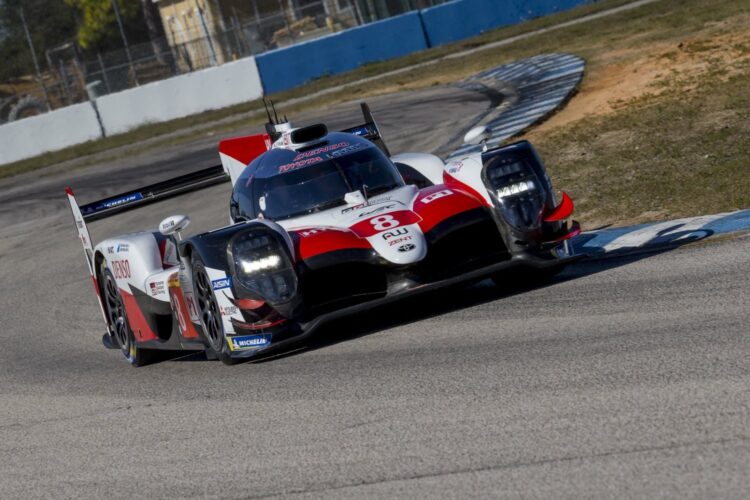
323,185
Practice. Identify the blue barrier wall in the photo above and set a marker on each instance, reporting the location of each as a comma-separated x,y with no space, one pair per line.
290,67
460,19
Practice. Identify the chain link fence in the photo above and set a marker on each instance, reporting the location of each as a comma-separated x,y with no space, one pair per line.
195,39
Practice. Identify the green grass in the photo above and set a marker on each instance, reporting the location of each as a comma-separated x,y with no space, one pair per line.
678,154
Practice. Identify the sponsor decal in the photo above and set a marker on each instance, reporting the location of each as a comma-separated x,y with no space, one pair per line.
367,204
190,301
110,250
407,248
399,240
299,164
396,232
121,269
79,223
321,150
229,310
385,222
123,247
457,166
310,232
434,196
376,210
249,342
345,151
178,312
157,288
116,202
222,283
165,226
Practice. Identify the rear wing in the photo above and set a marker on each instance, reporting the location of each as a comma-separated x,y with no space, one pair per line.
129,200
247,148
369,130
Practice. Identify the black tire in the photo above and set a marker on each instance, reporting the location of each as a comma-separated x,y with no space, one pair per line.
25,107
114,308
209,312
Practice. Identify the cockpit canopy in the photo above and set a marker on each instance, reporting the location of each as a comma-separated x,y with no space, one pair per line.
284,183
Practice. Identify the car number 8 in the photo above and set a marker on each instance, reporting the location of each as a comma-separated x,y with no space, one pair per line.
383,222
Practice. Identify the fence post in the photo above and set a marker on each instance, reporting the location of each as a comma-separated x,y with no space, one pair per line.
125,41
33,58
104,72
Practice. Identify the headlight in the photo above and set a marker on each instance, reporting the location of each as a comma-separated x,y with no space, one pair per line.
261,265
519,192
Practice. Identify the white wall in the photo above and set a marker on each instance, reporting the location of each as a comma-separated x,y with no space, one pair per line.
181,96
176,97
48,132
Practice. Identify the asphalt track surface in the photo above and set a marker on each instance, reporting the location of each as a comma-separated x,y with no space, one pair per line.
622,377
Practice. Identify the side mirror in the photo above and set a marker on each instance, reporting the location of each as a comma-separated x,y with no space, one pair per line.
478,135
173,225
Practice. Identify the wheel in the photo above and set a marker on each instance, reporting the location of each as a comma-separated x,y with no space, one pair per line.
209,312
26,106
114,308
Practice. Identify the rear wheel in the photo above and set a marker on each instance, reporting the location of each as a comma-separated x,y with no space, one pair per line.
114,308
209,312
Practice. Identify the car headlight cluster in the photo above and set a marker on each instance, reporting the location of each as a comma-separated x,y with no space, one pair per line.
261,265
519,193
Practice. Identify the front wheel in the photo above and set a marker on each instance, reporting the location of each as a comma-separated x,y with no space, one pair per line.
114,308
209,312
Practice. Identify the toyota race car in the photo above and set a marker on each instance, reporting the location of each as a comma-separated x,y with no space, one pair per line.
322,224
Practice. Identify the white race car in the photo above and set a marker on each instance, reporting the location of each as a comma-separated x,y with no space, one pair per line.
322,224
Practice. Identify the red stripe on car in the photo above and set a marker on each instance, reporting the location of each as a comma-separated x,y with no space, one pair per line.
437,203
316,241
137,321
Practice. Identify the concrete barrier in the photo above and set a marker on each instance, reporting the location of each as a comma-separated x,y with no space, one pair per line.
48,132
289,67
213,88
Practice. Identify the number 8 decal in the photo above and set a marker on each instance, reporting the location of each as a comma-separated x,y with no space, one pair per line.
383,222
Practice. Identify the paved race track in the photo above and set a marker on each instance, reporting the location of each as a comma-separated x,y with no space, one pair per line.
626,376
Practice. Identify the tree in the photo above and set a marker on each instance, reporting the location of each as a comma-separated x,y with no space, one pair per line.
98,22
155,28
51,22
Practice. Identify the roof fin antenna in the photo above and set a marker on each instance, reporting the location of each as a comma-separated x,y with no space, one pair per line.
268,113
273,106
